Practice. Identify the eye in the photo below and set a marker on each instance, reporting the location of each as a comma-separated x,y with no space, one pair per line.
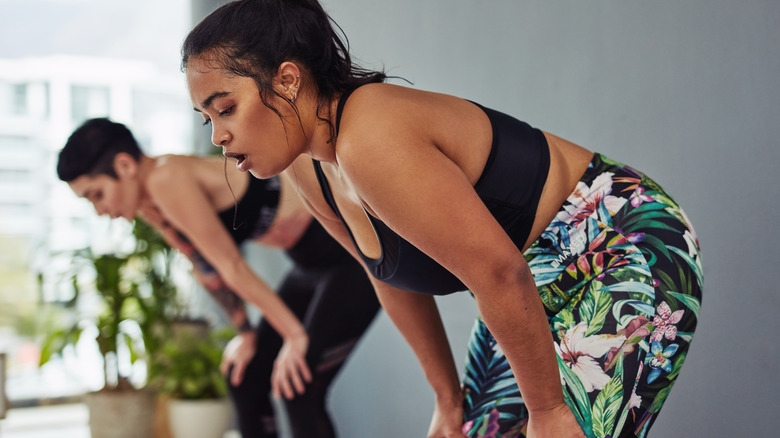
226,112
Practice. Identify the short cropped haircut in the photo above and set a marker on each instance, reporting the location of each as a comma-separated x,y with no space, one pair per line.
90,149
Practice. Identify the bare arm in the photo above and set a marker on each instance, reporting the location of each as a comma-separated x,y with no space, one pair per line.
180,199
415,315
206,275
184,205
417,318
426,198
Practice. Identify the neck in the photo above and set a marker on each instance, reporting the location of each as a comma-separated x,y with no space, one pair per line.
322,145
145,166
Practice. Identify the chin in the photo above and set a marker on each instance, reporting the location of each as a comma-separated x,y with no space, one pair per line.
259,174
264,173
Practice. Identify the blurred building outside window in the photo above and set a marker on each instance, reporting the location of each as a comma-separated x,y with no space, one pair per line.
42,99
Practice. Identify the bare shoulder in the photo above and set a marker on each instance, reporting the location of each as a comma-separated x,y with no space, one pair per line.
383,121
377,117
173,174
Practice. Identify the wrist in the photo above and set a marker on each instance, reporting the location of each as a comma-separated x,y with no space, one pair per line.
449,399
549,410
296,335
245,327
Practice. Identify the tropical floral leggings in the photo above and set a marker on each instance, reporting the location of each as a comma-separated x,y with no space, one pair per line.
620,275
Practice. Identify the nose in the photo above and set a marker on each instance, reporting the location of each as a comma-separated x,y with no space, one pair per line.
219,137
100,210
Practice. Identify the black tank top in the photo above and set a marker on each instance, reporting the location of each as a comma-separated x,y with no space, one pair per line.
510,186
254,212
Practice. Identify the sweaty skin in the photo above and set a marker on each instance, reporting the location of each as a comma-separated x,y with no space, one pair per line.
182,194
404,156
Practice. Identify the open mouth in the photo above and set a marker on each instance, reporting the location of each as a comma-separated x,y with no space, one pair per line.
238,157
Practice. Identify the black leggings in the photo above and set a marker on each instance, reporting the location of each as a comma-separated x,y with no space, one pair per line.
331,294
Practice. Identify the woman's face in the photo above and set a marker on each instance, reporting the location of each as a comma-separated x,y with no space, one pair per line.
241,124
109,196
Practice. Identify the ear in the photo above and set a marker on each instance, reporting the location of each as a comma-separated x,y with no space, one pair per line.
288,80
125,165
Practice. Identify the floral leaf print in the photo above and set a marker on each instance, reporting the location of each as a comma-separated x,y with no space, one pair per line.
554,297
678,363
579,353
638,197
467,427
690,261
641,306
596,199
656,245
563,320
490,425
634,332
692,303
580,405
658,359
632,286
659,400
631,272
664,322
595,308
488,382
606,406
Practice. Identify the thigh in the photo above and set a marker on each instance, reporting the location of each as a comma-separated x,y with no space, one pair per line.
342,308
297,295
619,273
623,298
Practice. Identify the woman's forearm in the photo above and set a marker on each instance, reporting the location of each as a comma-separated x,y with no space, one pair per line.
207,276
417,318
515,316
241,279
228,300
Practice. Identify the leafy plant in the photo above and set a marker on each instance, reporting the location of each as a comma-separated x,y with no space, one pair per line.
188,365
133,288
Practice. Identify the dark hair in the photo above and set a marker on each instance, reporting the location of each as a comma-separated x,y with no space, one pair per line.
252,38
90,149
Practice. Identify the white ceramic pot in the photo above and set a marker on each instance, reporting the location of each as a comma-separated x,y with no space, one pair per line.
209,418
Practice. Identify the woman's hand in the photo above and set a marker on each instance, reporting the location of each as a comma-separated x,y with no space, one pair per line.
558,422
291,373
447,421
238,352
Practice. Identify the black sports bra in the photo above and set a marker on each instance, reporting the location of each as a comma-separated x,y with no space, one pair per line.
255,211
510,186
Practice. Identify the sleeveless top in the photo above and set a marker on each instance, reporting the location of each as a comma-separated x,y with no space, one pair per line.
253,214
510,187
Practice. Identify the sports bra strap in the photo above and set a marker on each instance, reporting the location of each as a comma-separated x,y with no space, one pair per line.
340,107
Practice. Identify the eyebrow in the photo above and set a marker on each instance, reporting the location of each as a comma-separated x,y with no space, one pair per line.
208,101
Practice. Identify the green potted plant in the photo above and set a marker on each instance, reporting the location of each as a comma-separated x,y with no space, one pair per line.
187,372
136,299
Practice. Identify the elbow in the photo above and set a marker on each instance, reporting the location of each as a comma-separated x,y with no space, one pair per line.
233,273
505,287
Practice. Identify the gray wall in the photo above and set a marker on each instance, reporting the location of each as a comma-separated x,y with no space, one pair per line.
688,91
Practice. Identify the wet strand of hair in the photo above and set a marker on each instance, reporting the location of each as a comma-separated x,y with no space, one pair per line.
235,200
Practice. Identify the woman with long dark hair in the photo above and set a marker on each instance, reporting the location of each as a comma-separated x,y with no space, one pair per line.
586,273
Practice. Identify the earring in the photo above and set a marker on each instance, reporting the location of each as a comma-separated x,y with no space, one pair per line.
295,93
